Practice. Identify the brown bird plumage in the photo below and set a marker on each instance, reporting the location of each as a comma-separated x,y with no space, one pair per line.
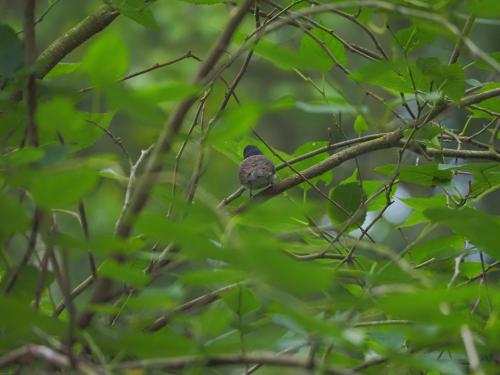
256,172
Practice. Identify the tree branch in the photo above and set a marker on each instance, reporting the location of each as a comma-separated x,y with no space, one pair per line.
32,352
267,359
74,37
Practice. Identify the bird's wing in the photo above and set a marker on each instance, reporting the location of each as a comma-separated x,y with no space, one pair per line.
255,167
262,166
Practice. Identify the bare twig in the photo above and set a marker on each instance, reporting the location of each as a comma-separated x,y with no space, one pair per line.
470,350
188,54
465,31
190,305
131,184
37,218
456,272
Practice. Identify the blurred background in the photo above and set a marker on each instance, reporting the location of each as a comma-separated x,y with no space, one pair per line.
179,27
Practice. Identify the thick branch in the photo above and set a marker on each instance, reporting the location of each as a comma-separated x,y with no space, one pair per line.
267,359
386,141
32,352
77,35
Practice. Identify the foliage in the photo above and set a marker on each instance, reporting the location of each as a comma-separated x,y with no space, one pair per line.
124,249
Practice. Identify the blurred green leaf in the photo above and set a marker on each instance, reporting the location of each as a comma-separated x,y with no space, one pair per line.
316,51
11,51
241,300
413,37
259,256
209,2
111,49
448,78
385,74
480,228
372,187
349,197
421,204
424,174
13,217
124,272
167,91
484,8
166,343
360,125
440,247
58,117
235,123
137,10
58,187
18,323
62,69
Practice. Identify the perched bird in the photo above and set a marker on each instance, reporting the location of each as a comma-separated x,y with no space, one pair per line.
256,170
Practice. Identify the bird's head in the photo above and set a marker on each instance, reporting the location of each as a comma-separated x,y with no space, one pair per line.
251,150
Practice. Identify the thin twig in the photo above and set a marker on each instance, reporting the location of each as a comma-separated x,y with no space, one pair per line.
131,185
470,350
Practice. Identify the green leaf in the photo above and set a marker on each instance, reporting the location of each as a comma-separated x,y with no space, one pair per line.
282,57
94,128
62,69
11,51
212,277
57,187
313,55
360,125
137,11
111,49
349,196
131,102
419,205
440,247
484,8
486,177
372,187
235,123
268,215
471,269
59,117
386,74
13,217
124,272
478,227
413,37
166,343
425,174
241,300
480,64
269,266
208,2
18,322
20,157
450,79
167,91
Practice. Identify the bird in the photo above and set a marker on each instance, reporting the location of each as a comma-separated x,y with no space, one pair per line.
256,170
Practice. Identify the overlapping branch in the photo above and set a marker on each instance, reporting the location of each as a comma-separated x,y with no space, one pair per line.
167,135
